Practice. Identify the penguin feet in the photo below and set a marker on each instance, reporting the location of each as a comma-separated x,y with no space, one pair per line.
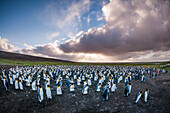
125,95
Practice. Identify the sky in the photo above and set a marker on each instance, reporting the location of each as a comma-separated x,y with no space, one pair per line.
87,30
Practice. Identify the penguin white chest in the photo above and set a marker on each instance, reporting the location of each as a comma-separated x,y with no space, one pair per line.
48,92
78,82
59,92
20,86
98,88
11,81
16,85
113,88
41,95
85,90
89,82
72,88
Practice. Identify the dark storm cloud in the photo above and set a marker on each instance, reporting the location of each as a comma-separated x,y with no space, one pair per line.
48,50
130,28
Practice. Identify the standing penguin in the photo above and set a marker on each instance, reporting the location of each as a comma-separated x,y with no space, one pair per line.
113,88
16,84
75,76
98,87
106,93
59,91
40,94
89,82
11,80
143,78
126,92
20,85
95,77
72,87
83,77
34,87
85,83
126,81
100,81
68,82
78,82
48,92
146,95
130,88
85,89
105,87
6,85
28,81
139,94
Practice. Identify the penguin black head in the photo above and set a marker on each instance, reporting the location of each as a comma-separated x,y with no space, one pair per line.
130,84
147,89
140,91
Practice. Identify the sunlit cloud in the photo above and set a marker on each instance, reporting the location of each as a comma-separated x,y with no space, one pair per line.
4,45
53,35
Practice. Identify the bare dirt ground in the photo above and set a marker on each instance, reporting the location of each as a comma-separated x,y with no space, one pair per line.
26,100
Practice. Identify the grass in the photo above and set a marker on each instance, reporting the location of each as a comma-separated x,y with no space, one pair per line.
31,63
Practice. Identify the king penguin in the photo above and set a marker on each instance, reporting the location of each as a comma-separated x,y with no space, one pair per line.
139,94
126,92
106,93
98,87
143,78
40,94
89,82
59,91
11,80
6,84
146,95
48,92
16,84
78,82
113,88
130,88
34,87
20,85
71,87
85,89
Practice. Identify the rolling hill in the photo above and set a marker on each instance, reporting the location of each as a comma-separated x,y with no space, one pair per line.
23,57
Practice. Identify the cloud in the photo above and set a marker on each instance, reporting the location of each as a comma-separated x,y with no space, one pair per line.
131,28
52,50
67,18
88,19
4,45
53,35
135,30
100,18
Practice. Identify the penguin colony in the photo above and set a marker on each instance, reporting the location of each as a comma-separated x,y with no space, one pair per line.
39,78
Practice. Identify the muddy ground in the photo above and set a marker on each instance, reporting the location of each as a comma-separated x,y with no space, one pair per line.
26,100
